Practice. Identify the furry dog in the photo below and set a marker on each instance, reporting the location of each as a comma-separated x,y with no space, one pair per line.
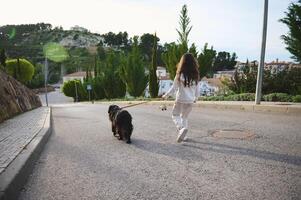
122,127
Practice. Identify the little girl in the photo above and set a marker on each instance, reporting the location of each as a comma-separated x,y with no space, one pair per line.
187,92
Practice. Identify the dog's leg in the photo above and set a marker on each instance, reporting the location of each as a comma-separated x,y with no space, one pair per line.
118,131
114,129
127,136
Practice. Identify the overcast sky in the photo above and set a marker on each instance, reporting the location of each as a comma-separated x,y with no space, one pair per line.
230,25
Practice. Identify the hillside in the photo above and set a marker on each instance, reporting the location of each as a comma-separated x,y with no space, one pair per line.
15,97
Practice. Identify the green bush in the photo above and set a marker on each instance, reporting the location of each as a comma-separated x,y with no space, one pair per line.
281,97
98,89
69,88
38,78
296,98
21,70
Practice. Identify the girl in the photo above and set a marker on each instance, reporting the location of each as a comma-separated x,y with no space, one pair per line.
187,92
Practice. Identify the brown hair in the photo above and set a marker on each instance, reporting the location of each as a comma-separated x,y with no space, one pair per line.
189,67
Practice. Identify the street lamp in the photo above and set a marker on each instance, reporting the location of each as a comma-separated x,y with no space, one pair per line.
263,45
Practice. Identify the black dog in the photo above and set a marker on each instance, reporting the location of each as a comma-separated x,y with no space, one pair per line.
121,123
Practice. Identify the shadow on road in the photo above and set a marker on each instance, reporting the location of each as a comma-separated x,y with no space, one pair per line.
187,151
231,150
168,149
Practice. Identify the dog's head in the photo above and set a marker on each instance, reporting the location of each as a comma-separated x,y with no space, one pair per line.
113,109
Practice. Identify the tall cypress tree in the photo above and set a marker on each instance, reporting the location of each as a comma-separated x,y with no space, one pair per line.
174,52
185,28
153,80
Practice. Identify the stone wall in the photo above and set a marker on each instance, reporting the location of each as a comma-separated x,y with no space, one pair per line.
15,98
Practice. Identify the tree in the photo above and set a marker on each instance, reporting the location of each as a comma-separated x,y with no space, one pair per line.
113,85
293,37
146,45
75,88
185,28
153,80
20,69
133,72
172,56
205,60
224,61
118,40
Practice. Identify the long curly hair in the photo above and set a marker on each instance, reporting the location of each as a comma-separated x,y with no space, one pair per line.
188,66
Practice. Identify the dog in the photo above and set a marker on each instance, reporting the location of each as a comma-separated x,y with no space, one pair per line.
122,126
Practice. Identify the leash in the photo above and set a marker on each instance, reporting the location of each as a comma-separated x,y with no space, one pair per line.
136,104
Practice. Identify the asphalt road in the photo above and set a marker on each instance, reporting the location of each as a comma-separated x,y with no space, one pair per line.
55,97
82,160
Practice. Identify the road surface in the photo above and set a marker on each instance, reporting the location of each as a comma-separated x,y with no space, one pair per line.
55,97
82,160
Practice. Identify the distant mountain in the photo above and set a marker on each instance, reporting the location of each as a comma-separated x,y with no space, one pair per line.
27,40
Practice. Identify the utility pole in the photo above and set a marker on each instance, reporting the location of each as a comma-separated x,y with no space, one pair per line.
46,77
263,45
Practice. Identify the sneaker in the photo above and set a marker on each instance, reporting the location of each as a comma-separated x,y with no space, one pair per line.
182,134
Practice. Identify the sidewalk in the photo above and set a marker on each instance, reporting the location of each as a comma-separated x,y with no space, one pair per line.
249,106
21,140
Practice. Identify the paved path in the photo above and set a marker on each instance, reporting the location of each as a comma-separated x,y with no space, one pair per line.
83,161
55,97
17,132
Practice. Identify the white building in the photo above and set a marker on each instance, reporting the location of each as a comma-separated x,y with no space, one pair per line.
76,76
224,74
210,86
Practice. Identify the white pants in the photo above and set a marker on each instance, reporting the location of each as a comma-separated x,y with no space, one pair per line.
180,114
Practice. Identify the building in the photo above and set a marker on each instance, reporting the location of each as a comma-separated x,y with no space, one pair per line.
224,74
76,76
210,86
164,81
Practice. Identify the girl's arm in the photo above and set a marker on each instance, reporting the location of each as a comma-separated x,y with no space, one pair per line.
173,88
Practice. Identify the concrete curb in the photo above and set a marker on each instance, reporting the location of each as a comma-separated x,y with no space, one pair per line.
274,107
15,175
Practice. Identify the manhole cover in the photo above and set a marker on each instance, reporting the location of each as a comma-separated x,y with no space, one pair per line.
233,134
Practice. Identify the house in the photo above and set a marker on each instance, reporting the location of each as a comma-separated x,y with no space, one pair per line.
277,66
76,76
210,86
164,81
224,74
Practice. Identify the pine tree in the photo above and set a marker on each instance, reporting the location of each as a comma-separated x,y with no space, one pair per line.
153,80
293,38
133,72
205,60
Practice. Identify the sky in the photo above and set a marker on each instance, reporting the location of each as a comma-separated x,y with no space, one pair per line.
227,25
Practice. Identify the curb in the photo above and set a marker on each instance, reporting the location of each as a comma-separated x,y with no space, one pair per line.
15,175
279,107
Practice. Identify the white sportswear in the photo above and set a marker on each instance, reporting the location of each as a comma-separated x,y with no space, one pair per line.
188,94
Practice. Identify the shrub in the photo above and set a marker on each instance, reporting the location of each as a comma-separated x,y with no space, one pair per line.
281,97
69,88
20,69
38,78
98,89
296,98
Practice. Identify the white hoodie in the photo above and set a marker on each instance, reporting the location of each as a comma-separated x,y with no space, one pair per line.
188,94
